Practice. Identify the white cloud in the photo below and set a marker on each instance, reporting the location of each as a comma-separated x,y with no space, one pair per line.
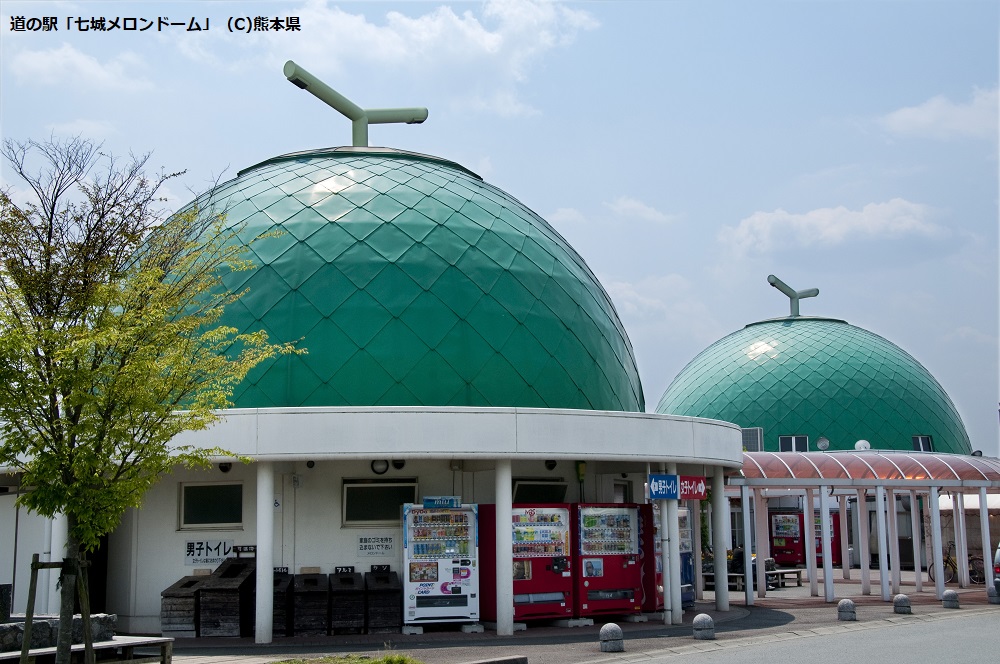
66,65
941,118
565,216
95,130
630,208
770,231
664,307
967,334
490,50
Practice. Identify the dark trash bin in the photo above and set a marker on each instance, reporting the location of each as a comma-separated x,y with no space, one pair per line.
347,603
179,607
312,604
226,599
385,602
282,616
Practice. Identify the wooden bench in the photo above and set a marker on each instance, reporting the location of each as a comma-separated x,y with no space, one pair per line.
774,578
120,648
781,574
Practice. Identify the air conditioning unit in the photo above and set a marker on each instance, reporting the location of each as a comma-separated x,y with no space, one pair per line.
753,439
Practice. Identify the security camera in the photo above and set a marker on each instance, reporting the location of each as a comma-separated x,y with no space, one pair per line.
225,467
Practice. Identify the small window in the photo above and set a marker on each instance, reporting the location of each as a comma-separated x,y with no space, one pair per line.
793,443
623,492
207,506
753,439
377,502
539,491
923,444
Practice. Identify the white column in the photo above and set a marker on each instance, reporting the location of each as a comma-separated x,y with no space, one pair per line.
915,530
845,559
936,550
60,533
864,533
763,541
809,521
720,538
505,550
265,551
42,601
745,498
961,539
699,585
984,529
893,516
666,575
676,607
883,554
826,542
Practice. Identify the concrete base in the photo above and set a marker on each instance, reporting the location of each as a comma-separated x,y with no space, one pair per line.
574,622
636,618
412,629
473,628
518,627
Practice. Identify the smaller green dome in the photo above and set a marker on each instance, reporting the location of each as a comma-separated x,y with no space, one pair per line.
818,377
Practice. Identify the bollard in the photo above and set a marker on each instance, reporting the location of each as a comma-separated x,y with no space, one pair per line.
704,627
846,610
992,595
949,599
611,638
901,604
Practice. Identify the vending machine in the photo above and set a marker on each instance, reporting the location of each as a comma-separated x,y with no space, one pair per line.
652,560
440,561
788,544
787,539
608,574
543,579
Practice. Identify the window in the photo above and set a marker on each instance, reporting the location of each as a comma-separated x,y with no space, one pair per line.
923,444
206,506
539,491
753,439
377,502
623,491
793,443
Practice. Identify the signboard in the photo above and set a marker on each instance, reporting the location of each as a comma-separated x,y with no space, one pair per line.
663,487
376,545
207,552
693,487
442,501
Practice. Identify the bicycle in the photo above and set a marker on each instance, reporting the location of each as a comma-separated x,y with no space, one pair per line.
977,573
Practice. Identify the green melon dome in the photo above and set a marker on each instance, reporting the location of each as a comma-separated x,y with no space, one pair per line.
818,377
410,281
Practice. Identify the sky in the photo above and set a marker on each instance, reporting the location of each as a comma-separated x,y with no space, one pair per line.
686,149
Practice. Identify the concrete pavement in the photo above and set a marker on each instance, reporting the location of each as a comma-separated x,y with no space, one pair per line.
778,622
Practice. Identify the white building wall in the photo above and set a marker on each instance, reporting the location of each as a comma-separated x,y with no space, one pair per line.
31,539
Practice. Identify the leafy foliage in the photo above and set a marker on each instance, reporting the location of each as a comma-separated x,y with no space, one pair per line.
108,339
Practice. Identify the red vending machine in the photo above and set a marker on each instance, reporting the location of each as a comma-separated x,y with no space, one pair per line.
608,574
834,539
788,544
651,560
543,580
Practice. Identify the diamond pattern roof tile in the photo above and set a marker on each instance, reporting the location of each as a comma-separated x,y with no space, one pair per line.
410,281
818,377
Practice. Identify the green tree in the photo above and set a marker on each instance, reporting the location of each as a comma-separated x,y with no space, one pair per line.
109,345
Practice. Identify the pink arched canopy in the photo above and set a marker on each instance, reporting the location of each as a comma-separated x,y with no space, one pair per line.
869,468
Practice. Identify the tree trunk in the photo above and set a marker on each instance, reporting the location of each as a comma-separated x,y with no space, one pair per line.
67,593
